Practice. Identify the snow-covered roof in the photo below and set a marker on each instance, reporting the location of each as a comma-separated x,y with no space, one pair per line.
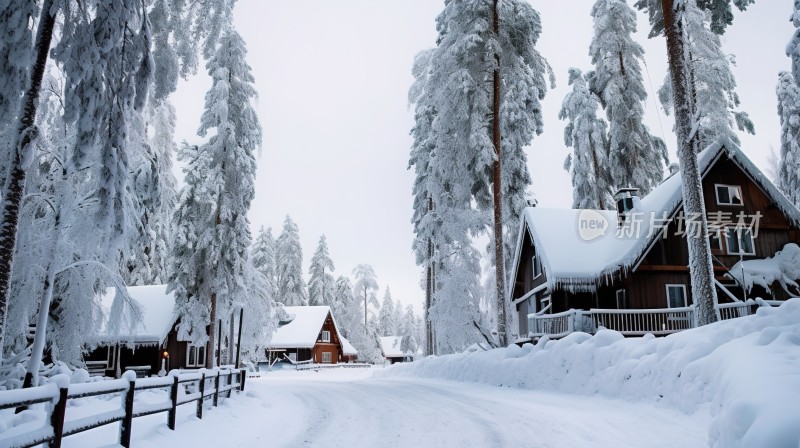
303,330
157,314
347,347
390,347
581,264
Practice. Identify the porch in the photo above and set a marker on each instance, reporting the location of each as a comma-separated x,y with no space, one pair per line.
632,322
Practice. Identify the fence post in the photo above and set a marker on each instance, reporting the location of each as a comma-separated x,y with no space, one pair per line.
216,388
202,393
57,417
243,375
173,394
230,383
127,421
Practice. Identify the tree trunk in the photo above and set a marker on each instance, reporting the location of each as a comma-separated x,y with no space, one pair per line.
701,269
429,292
499,260
212,332
15,184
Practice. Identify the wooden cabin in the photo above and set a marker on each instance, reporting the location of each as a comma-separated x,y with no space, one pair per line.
148,348
309,335
349,353
390,349
628,269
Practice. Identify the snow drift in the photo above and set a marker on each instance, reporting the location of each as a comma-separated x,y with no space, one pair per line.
745,371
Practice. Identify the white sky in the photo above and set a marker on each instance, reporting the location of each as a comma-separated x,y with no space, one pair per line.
333,77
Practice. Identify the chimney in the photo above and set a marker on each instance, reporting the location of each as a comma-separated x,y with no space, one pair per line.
624,198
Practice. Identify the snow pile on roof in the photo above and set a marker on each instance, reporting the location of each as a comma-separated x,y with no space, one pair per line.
157,314
747,369
347,347
304,328
783,267
390,347
556,232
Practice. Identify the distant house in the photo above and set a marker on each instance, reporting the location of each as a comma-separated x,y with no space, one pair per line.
390,348
628,270
310,335
151,345
349,353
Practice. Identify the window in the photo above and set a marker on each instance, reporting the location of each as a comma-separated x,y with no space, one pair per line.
326,336
729,194
715,239
195,356
326,357
110,357
622,299
739,241
676,296
537,266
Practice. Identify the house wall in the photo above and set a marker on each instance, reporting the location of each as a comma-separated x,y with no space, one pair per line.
334,346
140,355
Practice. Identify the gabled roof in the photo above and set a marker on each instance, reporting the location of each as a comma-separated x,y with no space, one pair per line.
157,315
575,264
304,328
390,347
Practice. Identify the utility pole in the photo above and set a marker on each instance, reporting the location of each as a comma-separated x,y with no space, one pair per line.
499,261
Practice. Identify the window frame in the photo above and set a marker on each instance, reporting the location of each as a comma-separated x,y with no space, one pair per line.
111,357
328,355
682,286
739,233
325,336
718,232
196,353
624,298
537,266
728,186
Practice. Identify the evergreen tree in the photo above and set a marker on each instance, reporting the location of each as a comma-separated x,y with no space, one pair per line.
344,307
409,342
263,257
793,48
789,112
291,285
320,285
586,134
636,158
365,288
386,322
397,319
228,185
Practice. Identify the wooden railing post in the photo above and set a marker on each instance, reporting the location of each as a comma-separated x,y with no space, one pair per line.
202,387
173,395
57,417
126,425
243,375
216,388
230,382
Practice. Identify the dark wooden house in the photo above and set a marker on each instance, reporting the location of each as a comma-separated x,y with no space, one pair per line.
390,349
148,348
628,269
310,335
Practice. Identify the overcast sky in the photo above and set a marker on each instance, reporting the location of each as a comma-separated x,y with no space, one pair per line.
333,77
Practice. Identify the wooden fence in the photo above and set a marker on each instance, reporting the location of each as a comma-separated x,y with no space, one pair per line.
194,386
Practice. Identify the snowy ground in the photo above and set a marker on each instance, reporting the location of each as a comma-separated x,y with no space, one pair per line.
349,408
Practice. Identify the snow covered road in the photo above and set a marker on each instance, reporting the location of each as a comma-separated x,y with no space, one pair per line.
348,408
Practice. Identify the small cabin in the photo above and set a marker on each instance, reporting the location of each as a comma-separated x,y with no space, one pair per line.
151,346
349,353
309,335
390,349
627,269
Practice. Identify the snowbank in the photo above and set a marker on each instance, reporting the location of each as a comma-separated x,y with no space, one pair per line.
746,370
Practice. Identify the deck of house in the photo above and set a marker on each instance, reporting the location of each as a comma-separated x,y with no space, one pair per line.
632,322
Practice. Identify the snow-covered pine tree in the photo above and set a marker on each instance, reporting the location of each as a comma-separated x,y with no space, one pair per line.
585,133
16,52
320,284
344,306
365,288
720,10
398,316
409,342
292,289
636,158
227,184
263,258
386,322
789,113
793,48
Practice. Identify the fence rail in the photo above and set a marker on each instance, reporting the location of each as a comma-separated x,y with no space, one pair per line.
58,393
631,322
341,365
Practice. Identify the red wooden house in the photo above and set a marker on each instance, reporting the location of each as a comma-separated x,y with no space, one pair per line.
311,335
628,269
